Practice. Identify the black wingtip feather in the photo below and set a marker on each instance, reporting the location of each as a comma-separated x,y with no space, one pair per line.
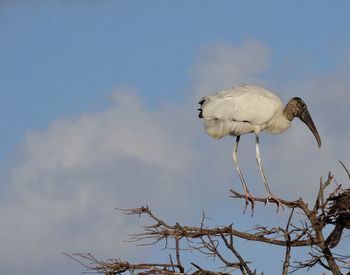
200,115
201,101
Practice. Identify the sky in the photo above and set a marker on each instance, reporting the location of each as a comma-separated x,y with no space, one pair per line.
98,107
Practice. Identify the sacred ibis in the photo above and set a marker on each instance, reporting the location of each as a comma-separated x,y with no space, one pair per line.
251,109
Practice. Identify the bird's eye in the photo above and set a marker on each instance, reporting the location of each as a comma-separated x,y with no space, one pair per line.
301,105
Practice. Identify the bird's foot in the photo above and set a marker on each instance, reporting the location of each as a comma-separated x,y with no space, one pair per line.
248,199
271,198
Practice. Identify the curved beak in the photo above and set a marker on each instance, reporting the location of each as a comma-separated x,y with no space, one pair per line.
306,118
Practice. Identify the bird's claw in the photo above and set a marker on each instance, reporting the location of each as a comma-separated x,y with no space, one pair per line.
249,198
271,198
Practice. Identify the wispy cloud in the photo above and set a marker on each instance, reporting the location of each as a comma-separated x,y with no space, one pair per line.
327,96
221,66
64,181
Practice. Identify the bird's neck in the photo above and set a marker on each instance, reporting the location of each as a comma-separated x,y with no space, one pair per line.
288,111
281,121
278,124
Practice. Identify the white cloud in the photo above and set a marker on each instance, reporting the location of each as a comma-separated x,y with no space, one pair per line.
327,96
64,181
221,66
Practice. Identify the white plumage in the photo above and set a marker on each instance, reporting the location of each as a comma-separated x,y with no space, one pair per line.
251,109
241,110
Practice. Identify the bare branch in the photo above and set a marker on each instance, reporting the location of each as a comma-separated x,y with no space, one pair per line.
178,260
243,264
346,169
117,266
215,242
288,248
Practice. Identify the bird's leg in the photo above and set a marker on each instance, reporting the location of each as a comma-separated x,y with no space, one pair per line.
248,196
258,159
269,197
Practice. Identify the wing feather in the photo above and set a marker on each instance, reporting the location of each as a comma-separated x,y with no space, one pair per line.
247,103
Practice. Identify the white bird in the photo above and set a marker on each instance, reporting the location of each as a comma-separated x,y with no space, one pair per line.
250,109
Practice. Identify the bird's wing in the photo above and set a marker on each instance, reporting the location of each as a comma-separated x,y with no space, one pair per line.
253,106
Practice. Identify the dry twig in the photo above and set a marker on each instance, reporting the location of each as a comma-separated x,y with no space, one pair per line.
217,242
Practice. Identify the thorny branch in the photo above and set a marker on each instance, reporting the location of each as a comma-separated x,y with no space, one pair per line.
317,218
288,247
218,242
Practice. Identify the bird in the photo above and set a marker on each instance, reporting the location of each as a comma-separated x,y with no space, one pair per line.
248,109
338,214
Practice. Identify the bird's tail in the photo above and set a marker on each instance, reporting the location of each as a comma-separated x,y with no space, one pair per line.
334,238
200,114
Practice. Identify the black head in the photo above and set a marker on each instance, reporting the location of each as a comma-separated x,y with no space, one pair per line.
298,108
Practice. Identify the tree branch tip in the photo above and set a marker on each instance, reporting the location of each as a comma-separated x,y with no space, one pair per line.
196,266
206,239
346,170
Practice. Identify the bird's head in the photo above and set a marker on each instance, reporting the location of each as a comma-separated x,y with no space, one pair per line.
296,107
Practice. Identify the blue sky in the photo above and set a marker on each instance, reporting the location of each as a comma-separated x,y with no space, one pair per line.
88,86
61,58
